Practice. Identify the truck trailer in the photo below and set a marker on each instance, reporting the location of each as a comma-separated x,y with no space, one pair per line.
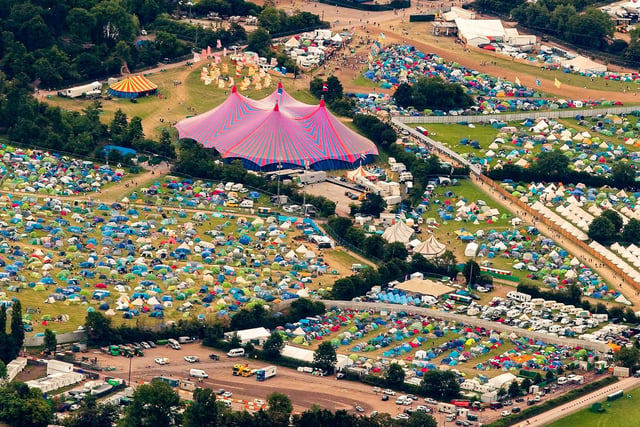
266,373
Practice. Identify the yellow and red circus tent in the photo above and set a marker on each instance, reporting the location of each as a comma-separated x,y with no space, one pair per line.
133,87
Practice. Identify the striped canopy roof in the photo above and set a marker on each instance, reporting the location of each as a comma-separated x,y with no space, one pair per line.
133,84
277,130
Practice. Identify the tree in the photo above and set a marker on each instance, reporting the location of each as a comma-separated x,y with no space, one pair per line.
93,414
135,132
272,348
502,393
6,344
343,289
471,272
118,128
98,328
631,231
602,230
623,175
551,164
442,385
435,93
50,341
628,357
374,246
402,95
514,389
420,419
280,407
235,341
203,411
395,375
395,250
3,371
21,406
259,41
525,385
334,90
324,358
17,328
373,205
615,219
154,405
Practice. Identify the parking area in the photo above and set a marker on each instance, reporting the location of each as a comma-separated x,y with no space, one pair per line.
335,193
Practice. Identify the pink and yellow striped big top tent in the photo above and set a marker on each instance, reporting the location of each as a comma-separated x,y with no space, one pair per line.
278,131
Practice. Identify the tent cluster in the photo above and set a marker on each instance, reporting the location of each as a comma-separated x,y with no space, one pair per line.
131,262
277,131
34,171
539,256
188,193
421,344
587,148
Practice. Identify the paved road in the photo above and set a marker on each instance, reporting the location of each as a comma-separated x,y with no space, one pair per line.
584,402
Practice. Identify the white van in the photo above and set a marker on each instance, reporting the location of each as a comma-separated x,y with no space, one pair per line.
236,352
401,399
562,380
198,373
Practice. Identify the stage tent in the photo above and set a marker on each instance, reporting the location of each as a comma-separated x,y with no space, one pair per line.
133,87
430,248
278,131
398,232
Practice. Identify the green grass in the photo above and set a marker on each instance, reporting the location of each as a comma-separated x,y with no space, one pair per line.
360,80
619,413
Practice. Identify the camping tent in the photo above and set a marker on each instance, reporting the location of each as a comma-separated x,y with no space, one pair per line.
430,248
398,232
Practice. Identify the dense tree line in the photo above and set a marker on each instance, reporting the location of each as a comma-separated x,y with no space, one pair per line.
65,41
206,36
198,161
158,405
553,166
225,8
278,21
432,93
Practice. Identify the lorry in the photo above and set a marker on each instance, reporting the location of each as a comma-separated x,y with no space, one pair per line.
266,373
173,382
242,370
114,350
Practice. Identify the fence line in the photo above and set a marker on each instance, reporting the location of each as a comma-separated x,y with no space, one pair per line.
554,114
460,318
68,337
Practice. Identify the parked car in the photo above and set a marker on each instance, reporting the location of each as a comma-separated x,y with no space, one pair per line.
161,360
213,356
389,392
192,359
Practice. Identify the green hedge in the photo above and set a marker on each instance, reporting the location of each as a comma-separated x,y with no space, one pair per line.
551,404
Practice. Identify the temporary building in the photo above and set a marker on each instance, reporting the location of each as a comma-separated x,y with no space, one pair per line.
277,131
133,87
583,64
398,232
359,172
430,248
480,31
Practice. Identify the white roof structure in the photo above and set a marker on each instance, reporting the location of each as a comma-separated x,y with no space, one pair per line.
292,43
582,63
502,380
306,355
398,232
360,171
430,248
247,335
458,12
479,31
424,287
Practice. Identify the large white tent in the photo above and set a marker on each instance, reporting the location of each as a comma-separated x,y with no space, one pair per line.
430,248
475,32
582,63
398,232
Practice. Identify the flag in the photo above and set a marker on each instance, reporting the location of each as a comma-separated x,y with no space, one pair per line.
284,71
325,88
557,83
518,81
279,90
382,36
538,83
218,44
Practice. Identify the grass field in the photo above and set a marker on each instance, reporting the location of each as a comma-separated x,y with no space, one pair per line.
624,412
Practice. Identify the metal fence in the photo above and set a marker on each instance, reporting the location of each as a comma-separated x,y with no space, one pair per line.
573,342
552,114
75,336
